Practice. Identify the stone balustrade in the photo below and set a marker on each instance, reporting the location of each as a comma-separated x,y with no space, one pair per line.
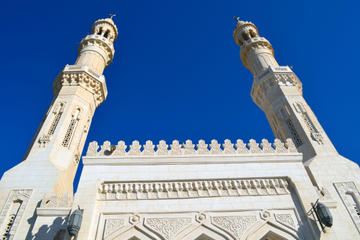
188,148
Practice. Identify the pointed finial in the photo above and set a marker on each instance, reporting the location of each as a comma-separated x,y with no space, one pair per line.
237,19
112,15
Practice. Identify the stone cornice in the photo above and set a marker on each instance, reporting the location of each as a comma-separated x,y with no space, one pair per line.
200,188
49,212
74,75
193,159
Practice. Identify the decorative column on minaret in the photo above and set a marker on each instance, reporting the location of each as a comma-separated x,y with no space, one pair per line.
278,92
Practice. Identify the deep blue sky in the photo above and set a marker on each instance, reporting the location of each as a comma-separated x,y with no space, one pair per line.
177,72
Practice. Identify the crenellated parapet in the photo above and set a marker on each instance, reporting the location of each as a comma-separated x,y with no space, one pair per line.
188,148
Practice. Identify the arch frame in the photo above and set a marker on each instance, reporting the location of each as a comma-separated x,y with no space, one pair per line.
137,231
202,229
262,228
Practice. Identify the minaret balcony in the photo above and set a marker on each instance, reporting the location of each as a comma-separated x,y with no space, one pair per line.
99,44
85,77
271,79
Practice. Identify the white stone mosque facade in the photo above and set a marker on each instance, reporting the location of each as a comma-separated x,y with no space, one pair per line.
239,190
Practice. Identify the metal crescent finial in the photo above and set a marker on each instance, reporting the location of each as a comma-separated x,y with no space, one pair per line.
237,19
112,15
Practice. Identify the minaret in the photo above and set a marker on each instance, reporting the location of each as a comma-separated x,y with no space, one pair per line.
50,163
278,92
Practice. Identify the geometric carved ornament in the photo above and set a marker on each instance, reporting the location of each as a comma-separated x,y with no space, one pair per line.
234,225
171,226
167,228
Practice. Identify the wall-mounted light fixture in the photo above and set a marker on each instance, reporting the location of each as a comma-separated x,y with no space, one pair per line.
74,223
323,214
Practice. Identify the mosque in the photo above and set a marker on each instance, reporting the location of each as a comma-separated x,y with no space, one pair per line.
297,187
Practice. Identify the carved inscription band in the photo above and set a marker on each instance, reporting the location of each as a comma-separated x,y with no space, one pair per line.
193,189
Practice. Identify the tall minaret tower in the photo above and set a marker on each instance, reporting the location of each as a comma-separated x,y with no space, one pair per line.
278,92
50,163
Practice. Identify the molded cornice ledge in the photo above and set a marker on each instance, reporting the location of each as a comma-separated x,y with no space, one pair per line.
53,211
194,159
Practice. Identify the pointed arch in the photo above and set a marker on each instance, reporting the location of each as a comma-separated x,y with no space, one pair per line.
134,238
133,233
204,237
252,33
272,236
202,232
269,230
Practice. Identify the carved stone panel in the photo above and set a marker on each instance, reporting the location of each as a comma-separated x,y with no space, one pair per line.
285,219
167,228
234,225
190,225
112,225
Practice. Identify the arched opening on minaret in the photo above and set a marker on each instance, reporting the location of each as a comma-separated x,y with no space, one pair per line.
100,31
106,35
252,33
245,36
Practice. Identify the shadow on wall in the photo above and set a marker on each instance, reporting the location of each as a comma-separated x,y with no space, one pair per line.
305,225
57,230
31,221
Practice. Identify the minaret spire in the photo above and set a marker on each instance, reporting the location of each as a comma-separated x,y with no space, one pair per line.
278,92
